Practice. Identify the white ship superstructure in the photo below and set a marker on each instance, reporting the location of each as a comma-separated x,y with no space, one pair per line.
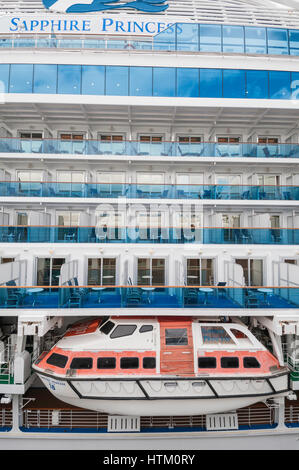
149,168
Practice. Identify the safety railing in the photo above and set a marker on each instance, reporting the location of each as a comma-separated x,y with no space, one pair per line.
147,296
70,419
183,37
143,149
292,415
6,367
5,418
50,42
152,235
150,191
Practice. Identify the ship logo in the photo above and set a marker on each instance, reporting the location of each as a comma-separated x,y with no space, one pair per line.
87,6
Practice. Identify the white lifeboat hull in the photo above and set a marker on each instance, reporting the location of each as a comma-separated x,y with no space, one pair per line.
171,396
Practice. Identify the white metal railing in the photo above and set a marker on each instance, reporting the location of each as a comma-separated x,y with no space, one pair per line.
5,418
292,414
6,366
85,419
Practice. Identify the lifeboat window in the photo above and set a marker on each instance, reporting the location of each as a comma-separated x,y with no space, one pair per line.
106,363
176,336
149,363
146,328
107,327
57,360
129,363
207,362
239,334
81,363
123,330
215,335
251,363
230,362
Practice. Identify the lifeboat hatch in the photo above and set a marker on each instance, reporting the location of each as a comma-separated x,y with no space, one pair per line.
176,348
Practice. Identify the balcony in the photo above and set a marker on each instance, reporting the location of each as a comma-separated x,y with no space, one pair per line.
149,297
148,191
151,149
172,235
183,37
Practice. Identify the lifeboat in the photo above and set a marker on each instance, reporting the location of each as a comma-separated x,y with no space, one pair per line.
160,366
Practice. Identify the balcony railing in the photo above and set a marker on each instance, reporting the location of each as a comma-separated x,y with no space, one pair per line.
151,296
158,149
150,191
173,235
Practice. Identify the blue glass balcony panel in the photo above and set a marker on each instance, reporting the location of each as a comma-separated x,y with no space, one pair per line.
277,41
187,38
255,40
232,39
210,38
181,36
172,235
143,191
170,149
39,297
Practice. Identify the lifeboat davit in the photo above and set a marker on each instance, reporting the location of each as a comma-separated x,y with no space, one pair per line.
160,366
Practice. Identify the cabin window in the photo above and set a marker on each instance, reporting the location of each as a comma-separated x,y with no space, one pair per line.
149,363
176,336
207,362
107,327
230,362
57,360
81,363
215,335
239,334
123,330
146,328
129,363
106,363
251,363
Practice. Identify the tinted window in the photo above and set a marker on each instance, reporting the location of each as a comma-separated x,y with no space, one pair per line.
106,363
141,82
279,85
251,363
257,84
207,362
93,79
233,84
21,78
117,80
149,363
229,362
164,81
146,328
69,79
81,363
188,82
210,83
123,330
45,78
176,336
57,360
107,327
129,363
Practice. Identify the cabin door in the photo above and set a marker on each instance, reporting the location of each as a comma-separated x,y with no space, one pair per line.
176,348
